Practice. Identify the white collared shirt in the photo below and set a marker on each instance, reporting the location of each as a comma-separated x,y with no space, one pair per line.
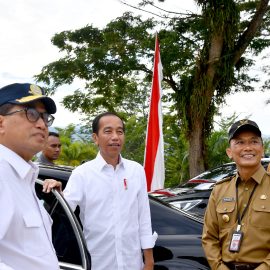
25,226
115,212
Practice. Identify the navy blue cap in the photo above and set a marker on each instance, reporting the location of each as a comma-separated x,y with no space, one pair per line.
241,125
24,93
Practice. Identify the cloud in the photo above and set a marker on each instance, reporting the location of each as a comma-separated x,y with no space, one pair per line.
27,28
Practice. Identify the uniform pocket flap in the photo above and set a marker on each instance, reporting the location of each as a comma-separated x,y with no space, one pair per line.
261,207
32,220
225,207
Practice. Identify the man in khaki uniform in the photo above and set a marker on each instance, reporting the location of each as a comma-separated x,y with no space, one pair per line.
236,232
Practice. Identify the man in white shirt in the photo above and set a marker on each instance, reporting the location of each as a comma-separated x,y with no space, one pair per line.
25,226
114,206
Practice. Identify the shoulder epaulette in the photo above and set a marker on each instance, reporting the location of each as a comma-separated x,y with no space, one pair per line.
225,180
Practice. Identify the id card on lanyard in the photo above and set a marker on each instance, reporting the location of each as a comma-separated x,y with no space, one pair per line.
236,240
237,236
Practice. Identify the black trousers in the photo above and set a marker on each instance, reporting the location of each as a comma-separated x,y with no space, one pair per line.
242,266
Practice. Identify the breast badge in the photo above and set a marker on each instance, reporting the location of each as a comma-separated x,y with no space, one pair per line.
263,197
226,218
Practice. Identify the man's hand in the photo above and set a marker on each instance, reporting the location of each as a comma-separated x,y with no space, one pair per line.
49,184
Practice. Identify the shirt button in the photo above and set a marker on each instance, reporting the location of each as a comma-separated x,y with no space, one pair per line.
244,205
263,207
225,209
246,189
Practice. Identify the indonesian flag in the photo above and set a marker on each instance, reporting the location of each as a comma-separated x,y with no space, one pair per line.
154,148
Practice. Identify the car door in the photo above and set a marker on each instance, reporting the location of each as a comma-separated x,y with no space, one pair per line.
67,235
178,246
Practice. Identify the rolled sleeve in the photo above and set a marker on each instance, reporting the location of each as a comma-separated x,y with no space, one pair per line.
149,241
147,238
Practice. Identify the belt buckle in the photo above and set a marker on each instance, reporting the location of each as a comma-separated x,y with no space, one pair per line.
242,267
239,267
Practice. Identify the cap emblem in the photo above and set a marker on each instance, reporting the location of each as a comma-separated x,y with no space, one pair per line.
35,90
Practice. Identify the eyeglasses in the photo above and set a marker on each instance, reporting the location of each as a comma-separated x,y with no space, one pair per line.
33,115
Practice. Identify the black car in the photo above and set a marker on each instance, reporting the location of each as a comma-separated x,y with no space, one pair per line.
193,196
194,201
67,235
203,181
178,245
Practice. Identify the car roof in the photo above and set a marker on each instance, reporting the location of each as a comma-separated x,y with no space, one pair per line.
224,170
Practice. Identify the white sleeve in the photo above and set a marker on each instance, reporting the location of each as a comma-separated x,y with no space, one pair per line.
147,239
74,190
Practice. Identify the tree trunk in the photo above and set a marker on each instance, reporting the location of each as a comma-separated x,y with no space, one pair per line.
196,159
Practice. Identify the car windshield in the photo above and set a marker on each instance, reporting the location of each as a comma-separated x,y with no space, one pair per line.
218,173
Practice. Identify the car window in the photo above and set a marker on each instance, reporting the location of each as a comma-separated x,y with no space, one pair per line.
66,232
168,221
56,173
218,173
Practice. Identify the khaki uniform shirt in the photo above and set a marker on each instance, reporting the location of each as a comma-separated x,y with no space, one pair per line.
221,221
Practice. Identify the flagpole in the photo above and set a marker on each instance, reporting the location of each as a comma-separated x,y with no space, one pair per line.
154,146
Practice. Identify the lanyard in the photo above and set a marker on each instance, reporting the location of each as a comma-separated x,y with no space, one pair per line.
240,217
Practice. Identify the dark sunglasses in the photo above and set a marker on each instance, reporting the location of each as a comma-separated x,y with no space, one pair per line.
33,115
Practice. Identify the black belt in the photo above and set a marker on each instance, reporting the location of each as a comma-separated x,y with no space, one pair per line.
242,266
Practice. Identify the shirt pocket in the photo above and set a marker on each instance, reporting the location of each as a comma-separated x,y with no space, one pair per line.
225,212
260,214
46,218
34,235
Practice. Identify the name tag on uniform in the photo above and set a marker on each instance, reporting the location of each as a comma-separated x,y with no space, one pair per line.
228,199
236,240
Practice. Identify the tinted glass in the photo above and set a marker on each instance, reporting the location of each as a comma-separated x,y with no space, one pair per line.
218,173
63,236
59,174
223,171
168,221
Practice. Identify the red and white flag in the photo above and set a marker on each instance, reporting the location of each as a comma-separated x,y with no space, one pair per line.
154,147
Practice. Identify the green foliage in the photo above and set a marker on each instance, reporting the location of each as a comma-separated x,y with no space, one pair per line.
135,139
217,143
77,152
175,152
205,57
266,143
175,147
76,147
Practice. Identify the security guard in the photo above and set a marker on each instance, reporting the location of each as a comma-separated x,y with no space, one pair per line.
236,232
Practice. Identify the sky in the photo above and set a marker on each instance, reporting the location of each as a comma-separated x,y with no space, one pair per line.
27,27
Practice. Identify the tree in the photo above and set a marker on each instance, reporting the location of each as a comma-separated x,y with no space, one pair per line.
205,57
218,142
76,146
175,148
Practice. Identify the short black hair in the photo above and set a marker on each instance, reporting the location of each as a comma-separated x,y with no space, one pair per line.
51,133
95,123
